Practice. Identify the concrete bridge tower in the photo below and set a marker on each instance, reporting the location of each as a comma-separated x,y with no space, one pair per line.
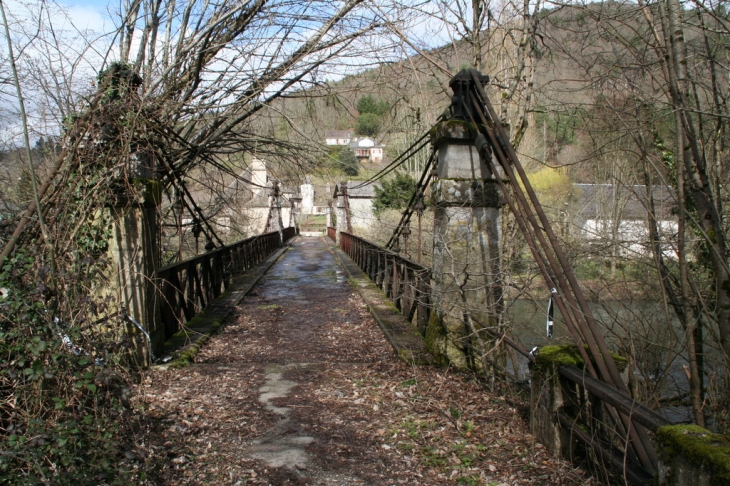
134,253
467,227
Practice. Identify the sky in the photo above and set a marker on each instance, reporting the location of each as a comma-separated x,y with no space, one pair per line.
85,16
90,14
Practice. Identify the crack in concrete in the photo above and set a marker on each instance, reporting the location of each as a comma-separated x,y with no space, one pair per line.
284,445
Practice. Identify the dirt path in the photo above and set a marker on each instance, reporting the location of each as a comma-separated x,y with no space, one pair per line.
302,388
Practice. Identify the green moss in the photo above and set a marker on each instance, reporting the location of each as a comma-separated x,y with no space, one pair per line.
452,129
149,190
434,339
406,355
201,325
700,447
712,235
568,355
564,355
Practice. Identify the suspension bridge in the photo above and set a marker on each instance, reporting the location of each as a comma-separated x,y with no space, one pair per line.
450,313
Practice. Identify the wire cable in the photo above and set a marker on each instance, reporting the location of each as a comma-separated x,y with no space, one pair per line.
400,160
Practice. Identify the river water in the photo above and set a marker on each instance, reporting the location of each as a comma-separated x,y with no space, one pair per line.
646,332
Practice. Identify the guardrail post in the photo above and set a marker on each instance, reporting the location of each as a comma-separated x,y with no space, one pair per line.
466,259
550,395
571,414
692,456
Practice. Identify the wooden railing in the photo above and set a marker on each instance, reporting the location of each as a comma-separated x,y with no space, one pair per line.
190,286
332,233
405,282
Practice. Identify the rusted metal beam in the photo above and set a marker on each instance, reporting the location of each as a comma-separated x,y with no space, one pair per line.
632,472
625,404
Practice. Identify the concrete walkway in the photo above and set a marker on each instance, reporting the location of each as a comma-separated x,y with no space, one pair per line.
301,387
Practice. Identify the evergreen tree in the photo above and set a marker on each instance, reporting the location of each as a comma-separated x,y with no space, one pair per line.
368,124
371,112
395,193
347,162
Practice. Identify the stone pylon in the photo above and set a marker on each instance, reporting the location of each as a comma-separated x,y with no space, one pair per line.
467,227
275,222
343,218
134,252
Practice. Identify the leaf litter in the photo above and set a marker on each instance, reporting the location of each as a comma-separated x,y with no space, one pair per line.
368,417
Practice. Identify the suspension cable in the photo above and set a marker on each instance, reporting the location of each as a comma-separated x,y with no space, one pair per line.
532,211
417,193
400,160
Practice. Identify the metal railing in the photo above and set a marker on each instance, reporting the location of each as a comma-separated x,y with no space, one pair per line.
589,403
591,407
190,286
589,415
288,233
585,417
332,233
406,283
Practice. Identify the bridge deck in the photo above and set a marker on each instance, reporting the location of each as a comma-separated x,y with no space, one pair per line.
301,387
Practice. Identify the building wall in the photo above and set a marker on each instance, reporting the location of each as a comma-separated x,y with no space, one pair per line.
376,154
631,235
361,212
337,141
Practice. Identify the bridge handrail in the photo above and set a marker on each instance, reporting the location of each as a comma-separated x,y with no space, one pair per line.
406,283
189,286
595,393
396,275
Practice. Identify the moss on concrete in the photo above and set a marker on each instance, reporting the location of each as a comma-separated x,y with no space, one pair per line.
149,190
435,339
699,447
185,344
451,130
550,357
202,325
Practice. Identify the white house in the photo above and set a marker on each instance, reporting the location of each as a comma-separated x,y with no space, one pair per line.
338,137
367,148
608,212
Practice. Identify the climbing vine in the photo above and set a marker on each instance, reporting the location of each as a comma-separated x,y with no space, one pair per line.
65,356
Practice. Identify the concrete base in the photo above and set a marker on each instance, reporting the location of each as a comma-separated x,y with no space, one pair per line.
692,456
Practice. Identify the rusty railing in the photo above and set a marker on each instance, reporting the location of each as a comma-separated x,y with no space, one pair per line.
406,283
289,233
332,233
189,286
583,415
